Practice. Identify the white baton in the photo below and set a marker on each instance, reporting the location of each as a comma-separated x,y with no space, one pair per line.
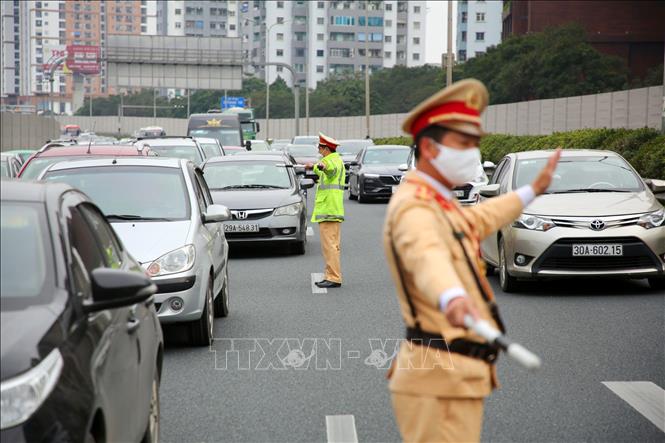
514,350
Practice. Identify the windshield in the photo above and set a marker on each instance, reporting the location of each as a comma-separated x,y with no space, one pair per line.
392,156
132,192
24,247
247,126
211,150
37,165
187,152
4,168
303,150
260,146
247,174
352,148
227,137
581,174
306,140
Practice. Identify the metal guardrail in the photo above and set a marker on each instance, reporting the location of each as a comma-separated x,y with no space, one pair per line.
175,56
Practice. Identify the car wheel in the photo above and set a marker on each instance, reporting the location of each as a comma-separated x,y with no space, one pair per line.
361,197
657,283
201,329
222,301
298,247
489,269
507,282
151,434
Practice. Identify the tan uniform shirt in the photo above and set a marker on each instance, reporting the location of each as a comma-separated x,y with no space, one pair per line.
433,262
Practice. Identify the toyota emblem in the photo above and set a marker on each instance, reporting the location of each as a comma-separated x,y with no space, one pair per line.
597,225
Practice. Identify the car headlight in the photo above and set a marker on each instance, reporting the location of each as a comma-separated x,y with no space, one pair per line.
180,260
292,209
652,220
21,396
533,223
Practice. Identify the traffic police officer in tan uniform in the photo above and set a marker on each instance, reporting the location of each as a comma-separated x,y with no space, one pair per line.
443,371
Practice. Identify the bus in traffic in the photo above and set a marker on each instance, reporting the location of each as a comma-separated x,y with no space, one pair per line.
224,127
250,127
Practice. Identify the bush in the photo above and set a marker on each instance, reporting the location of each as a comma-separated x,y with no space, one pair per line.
643,148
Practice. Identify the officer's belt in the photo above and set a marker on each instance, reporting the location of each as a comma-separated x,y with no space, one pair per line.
469,348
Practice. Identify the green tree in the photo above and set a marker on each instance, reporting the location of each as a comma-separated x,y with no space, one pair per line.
555,63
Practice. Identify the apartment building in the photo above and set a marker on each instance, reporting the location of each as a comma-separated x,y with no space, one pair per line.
479,26
323,38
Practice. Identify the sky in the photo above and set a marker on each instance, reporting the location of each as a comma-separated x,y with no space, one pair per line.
436,30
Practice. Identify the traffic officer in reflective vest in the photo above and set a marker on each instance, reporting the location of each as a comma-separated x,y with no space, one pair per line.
329,208
443,372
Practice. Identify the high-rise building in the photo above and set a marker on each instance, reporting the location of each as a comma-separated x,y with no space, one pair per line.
199,18
322,38
478,27
631,30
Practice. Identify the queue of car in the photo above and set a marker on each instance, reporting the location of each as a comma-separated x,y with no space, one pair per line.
123,240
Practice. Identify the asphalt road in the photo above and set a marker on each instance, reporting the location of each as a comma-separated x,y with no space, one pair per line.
587,332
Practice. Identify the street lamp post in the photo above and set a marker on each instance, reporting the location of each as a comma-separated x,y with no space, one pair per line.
267,62
296,92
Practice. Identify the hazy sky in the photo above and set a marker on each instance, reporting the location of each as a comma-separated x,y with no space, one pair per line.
436,32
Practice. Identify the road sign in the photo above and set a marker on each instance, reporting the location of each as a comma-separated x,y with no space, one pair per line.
83,59
232,102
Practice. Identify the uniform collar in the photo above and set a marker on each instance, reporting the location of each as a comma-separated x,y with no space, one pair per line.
438,187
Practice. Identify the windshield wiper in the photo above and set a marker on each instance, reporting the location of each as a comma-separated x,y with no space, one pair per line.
587,190
253,187
135,217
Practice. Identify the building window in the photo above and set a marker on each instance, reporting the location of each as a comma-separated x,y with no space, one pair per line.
280,68
416,9
416,40
301,36
280,53
416,25
299,67
343,20
416,56
463,16
178,25
388,39
320,20
280,36
232,27
320,5
280,5
342,52
178,11
319,68
319,52
462,55
389,7
463,36
479,53
280,20
480,36
144,29
300,52
480,16
320,37
387,54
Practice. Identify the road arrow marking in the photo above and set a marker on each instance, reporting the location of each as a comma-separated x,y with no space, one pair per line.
645,397
310,231
341,429
316,289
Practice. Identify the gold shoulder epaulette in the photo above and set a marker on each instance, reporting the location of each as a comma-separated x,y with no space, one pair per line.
424,193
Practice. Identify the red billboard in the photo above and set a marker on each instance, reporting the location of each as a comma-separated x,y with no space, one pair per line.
83,59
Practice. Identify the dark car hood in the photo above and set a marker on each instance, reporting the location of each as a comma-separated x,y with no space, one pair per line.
381,169
254,198
27,335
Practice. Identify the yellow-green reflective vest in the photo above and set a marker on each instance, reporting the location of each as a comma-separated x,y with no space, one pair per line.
329,204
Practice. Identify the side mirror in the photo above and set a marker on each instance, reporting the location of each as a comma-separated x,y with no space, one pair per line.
113,288
306,183
258,127
489,190
216,213
248,145
489,165
354,163
656,186
403,167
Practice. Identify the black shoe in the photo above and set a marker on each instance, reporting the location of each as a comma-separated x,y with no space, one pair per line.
327,284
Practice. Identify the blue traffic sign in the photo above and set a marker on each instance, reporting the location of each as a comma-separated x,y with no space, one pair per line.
232,102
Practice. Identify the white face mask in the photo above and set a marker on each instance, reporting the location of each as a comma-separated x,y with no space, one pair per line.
459,166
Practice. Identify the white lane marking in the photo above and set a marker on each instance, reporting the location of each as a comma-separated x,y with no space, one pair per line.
316,289
645,397
310,232
341,429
